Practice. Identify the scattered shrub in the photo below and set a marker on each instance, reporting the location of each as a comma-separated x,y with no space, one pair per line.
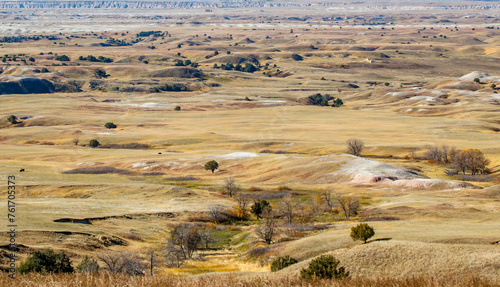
46,261
282,262
62,58
177,108
324,267
283,188
12,119
87,265
132,236
181,178
96,170
94,143
110,126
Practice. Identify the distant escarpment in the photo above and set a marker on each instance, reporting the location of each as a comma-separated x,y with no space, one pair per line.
134,4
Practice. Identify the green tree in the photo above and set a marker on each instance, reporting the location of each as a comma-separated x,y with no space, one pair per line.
94,143
211,165
324,267
12,119
110,126
44,70
282,262
362,231
46,261
258,207
177,108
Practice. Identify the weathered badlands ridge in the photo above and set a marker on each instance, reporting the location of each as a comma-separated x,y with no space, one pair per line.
123,4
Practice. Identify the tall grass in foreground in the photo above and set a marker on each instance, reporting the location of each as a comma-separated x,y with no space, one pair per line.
106,279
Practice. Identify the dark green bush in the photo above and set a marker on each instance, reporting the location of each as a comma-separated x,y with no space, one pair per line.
46,261
324,267
282,262
94,143
62,58
110,126
12,119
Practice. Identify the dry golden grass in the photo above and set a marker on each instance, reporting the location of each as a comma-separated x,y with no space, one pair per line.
81,280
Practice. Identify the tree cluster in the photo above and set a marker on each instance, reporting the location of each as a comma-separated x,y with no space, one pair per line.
149,33
181,63
324,100
470,160
345,205
247,68
185,240
62,58
91,58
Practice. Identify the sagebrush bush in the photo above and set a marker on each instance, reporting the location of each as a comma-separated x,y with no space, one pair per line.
88,265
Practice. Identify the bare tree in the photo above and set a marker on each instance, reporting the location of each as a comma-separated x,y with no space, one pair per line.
327,198
349,205
76,137
122,262
475,161
242,207
315,204
153,260
355,146
434,154
216,213
173,255
288,207
206,237
444,154
452,153
265,230
231,186
460,161
242,201
187,238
